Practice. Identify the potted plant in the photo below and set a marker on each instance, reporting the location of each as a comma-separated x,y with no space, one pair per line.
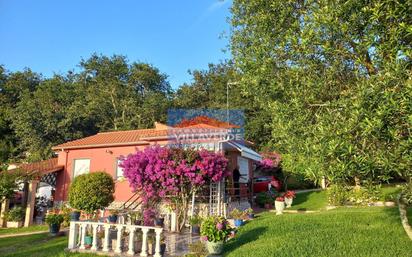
159,221
268,202
14,217
250,214
88,239
54,220
100,185
237,215
279,205
289,196
195,222
112,218
75,215
261,199
136,217
215,231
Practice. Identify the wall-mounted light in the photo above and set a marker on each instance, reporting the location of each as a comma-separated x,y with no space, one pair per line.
109,151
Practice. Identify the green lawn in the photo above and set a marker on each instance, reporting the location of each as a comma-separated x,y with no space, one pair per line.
356,231
310,201
4,231
390,193
40,245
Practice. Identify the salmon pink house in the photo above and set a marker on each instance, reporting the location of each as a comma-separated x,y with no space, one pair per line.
103,151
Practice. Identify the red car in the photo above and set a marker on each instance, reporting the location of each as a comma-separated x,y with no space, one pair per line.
261,184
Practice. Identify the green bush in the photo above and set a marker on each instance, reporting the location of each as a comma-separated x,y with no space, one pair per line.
54,219
264,197
368,193
406,195
91,192
338,194
15,214
195,220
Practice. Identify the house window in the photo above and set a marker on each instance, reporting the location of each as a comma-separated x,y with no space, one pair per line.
81,166
119,170
243,168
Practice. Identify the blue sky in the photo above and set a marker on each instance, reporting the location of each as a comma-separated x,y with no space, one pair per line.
52,36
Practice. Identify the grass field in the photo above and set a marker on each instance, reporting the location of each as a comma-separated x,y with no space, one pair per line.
5,231
356,231
40,245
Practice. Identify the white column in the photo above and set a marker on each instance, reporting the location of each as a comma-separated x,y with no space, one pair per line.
4,209
119,240
31,201
73,235
144,242
157,249
106,238
83,236
94,244
173,221
131,240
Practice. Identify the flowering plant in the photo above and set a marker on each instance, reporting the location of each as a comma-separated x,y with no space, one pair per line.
215,229
280,199
237,214
289,194
173,174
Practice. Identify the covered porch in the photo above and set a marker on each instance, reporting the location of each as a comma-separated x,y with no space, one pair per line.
40,174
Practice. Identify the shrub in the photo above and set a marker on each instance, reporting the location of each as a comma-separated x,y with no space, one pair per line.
263,198
54,219
367,194
15,214
90,192
215,229
337,194
195,220
406,195
237,214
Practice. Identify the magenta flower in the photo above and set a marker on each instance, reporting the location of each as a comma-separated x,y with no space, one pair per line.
219,226
204,238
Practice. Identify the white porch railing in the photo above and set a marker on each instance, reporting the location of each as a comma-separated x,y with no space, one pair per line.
78,230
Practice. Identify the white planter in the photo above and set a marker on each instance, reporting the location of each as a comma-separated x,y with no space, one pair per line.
280,206
288,202
14,224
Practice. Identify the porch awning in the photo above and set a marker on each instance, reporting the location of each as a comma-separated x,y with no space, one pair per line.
245,151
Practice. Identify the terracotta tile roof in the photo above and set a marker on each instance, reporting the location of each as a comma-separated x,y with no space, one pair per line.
43,167
127,137
137,137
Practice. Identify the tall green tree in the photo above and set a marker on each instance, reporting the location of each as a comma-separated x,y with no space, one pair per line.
120,94
335,77
213,87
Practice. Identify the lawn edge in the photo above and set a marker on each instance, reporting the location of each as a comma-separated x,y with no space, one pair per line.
404,218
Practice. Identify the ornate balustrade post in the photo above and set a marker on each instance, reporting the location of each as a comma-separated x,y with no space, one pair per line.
106,238
119,239
144,242
158,238
94,244
73,233
83,236
131,240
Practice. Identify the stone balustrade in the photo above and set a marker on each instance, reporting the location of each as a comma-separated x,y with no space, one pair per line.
78,230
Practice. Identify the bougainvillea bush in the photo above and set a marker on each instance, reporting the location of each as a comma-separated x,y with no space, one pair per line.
172,174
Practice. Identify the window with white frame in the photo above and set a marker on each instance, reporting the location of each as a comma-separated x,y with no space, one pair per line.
119,170
81,166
